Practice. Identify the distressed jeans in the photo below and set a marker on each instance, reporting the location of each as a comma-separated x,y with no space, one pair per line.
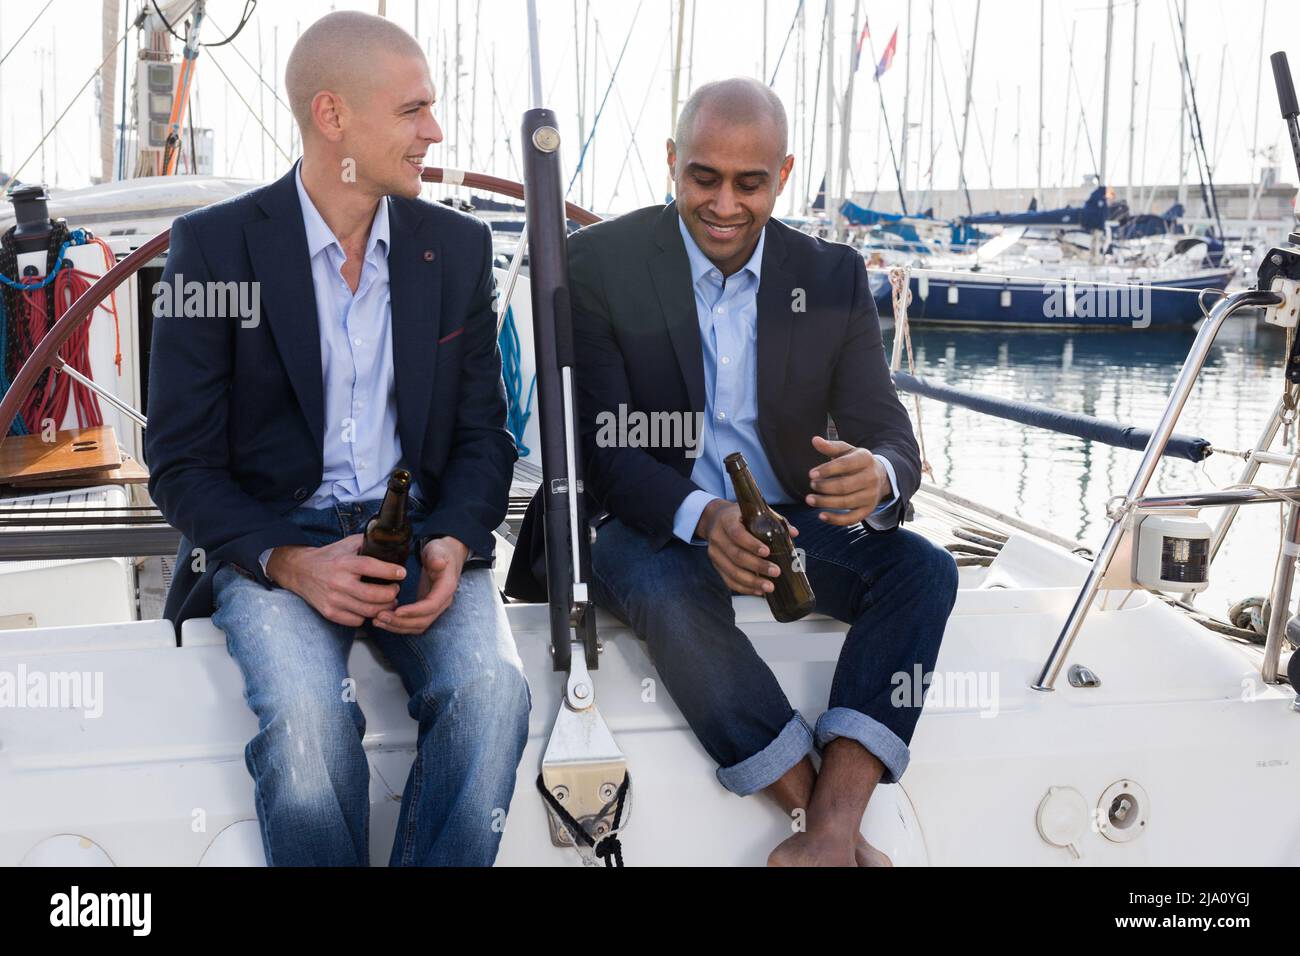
894,589
311,779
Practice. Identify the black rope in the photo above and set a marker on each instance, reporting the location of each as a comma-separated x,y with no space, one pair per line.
609,848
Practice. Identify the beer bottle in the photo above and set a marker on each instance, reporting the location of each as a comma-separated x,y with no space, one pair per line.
791,596
388,534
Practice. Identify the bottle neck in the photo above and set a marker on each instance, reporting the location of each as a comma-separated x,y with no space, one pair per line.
392,513
748,496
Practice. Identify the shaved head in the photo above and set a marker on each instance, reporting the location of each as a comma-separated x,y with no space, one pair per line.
739,101
338,54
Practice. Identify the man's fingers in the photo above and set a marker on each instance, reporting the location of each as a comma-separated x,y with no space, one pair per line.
343,605
830,448
743,582
435,602
374,594
859,499
844,484
852,461
749,561
846,519
737,535
374,568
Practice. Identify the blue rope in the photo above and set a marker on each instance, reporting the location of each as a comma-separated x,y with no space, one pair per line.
77,237
512,374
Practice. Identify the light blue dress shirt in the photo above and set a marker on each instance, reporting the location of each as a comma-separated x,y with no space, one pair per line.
728,314
361,444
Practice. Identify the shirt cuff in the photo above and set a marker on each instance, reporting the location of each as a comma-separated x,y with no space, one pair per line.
881,519
688,514
264,557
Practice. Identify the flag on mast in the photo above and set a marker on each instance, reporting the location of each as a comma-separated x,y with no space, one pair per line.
888,58
857,53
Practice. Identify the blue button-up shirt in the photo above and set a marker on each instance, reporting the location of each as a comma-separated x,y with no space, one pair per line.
727,308
361,446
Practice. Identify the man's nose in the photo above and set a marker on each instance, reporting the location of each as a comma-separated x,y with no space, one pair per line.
430,129
724,203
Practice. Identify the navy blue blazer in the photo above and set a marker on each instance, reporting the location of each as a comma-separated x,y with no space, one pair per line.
637,342
236,414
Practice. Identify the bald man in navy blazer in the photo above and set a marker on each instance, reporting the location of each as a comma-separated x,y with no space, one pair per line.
272,436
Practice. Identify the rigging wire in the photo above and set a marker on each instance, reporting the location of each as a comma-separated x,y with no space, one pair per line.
582,156
14,45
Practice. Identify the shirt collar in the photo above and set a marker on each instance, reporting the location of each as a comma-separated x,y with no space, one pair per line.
319,234
701,265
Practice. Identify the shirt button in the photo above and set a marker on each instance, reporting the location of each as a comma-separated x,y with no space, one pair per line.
726,360
722,416
356,342
720,308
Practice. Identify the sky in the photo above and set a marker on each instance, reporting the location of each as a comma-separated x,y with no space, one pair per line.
624,161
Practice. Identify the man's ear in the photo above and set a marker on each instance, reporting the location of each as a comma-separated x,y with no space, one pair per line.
671,148
784,174
327,111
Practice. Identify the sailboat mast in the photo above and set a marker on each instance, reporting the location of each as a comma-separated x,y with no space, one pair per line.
1132,106
677,77
1042,48
577,85
1182,115
1105,92
830,208
107,86
1257,179
965,122
846,119
907,100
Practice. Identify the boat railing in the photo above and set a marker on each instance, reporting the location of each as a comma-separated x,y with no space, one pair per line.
1133,500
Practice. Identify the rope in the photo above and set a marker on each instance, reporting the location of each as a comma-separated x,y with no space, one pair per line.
37,306
902,294
609,848
517,414
78,237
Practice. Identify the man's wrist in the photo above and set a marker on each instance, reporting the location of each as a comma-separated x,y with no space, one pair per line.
708,516
460,546
278,566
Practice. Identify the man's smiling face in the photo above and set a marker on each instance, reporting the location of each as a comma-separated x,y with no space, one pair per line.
727,177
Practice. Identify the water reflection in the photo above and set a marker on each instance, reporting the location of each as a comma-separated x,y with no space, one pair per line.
1062,482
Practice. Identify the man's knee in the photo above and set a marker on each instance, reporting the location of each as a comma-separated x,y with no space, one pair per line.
930,567
313,753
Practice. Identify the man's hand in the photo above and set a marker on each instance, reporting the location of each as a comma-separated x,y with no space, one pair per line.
852,479
329,579
442,560
740,558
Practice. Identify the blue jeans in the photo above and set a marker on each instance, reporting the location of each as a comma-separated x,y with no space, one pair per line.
894,589
311,779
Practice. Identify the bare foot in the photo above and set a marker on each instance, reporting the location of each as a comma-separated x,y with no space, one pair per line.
808,849
868,855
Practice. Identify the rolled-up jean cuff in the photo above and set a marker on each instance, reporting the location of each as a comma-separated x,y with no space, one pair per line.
886,745
792,744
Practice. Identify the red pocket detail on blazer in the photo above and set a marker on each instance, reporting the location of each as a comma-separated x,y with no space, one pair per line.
451,335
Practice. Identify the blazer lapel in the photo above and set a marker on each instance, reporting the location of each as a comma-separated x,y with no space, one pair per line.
415,293
775,324
671,271
277,247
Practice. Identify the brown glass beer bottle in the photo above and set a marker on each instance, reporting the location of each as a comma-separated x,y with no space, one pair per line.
791,596
388,534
